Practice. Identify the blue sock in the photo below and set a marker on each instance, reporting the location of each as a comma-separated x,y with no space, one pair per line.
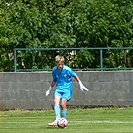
64,113
57,111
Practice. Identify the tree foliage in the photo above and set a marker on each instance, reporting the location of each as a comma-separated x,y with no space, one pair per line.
65,24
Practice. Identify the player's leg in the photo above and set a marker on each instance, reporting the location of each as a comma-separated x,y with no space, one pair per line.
64,108
66,97
57,106
56,109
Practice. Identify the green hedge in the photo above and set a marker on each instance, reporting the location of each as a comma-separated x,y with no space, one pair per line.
65,24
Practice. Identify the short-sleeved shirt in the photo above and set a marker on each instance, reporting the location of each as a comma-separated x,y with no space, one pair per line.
63,78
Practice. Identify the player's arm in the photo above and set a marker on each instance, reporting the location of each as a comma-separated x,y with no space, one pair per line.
52,84
50,88
77,78
82,87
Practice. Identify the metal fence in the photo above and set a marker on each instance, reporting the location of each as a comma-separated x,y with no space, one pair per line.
24,57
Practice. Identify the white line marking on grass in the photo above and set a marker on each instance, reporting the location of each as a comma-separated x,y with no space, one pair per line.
15,122
97,121
104,121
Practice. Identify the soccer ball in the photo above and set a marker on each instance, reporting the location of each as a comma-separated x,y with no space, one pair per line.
62,122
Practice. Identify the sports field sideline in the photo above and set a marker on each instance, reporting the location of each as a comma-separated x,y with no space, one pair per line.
94,120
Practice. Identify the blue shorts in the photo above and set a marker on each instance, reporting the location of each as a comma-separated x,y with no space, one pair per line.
67,94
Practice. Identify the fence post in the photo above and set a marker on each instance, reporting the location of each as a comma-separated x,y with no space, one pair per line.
14,60
101,59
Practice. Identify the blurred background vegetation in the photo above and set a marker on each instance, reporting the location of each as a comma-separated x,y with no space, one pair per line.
65,24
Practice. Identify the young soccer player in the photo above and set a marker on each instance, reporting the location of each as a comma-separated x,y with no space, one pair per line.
62,77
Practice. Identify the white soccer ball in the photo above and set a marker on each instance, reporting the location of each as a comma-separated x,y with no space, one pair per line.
62,122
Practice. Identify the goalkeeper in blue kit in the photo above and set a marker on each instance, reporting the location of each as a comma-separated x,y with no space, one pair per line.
62,78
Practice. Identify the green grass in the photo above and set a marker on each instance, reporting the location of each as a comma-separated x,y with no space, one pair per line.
96,120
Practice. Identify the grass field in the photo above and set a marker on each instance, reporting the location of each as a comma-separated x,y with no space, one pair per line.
96,120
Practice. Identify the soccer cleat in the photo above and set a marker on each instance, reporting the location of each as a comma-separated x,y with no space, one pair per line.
53,124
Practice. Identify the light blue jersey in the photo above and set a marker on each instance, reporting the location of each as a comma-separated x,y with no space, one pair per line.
63,81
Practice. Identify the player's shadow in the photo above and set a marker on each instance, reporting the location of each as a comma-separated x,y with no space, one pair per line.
55,127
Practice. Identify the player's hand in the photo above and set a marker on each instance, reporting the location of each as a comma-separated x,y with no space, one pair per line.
48,91
82,87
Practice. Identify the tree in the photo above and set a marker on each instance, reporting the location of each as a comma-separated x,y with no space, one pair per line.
65,24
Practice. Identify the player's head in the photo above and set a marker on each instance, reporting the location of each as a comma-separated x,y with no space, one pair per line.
59,60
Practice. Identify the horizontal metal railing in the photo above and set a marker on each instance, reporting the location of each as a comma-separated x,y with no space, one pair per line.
100,49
